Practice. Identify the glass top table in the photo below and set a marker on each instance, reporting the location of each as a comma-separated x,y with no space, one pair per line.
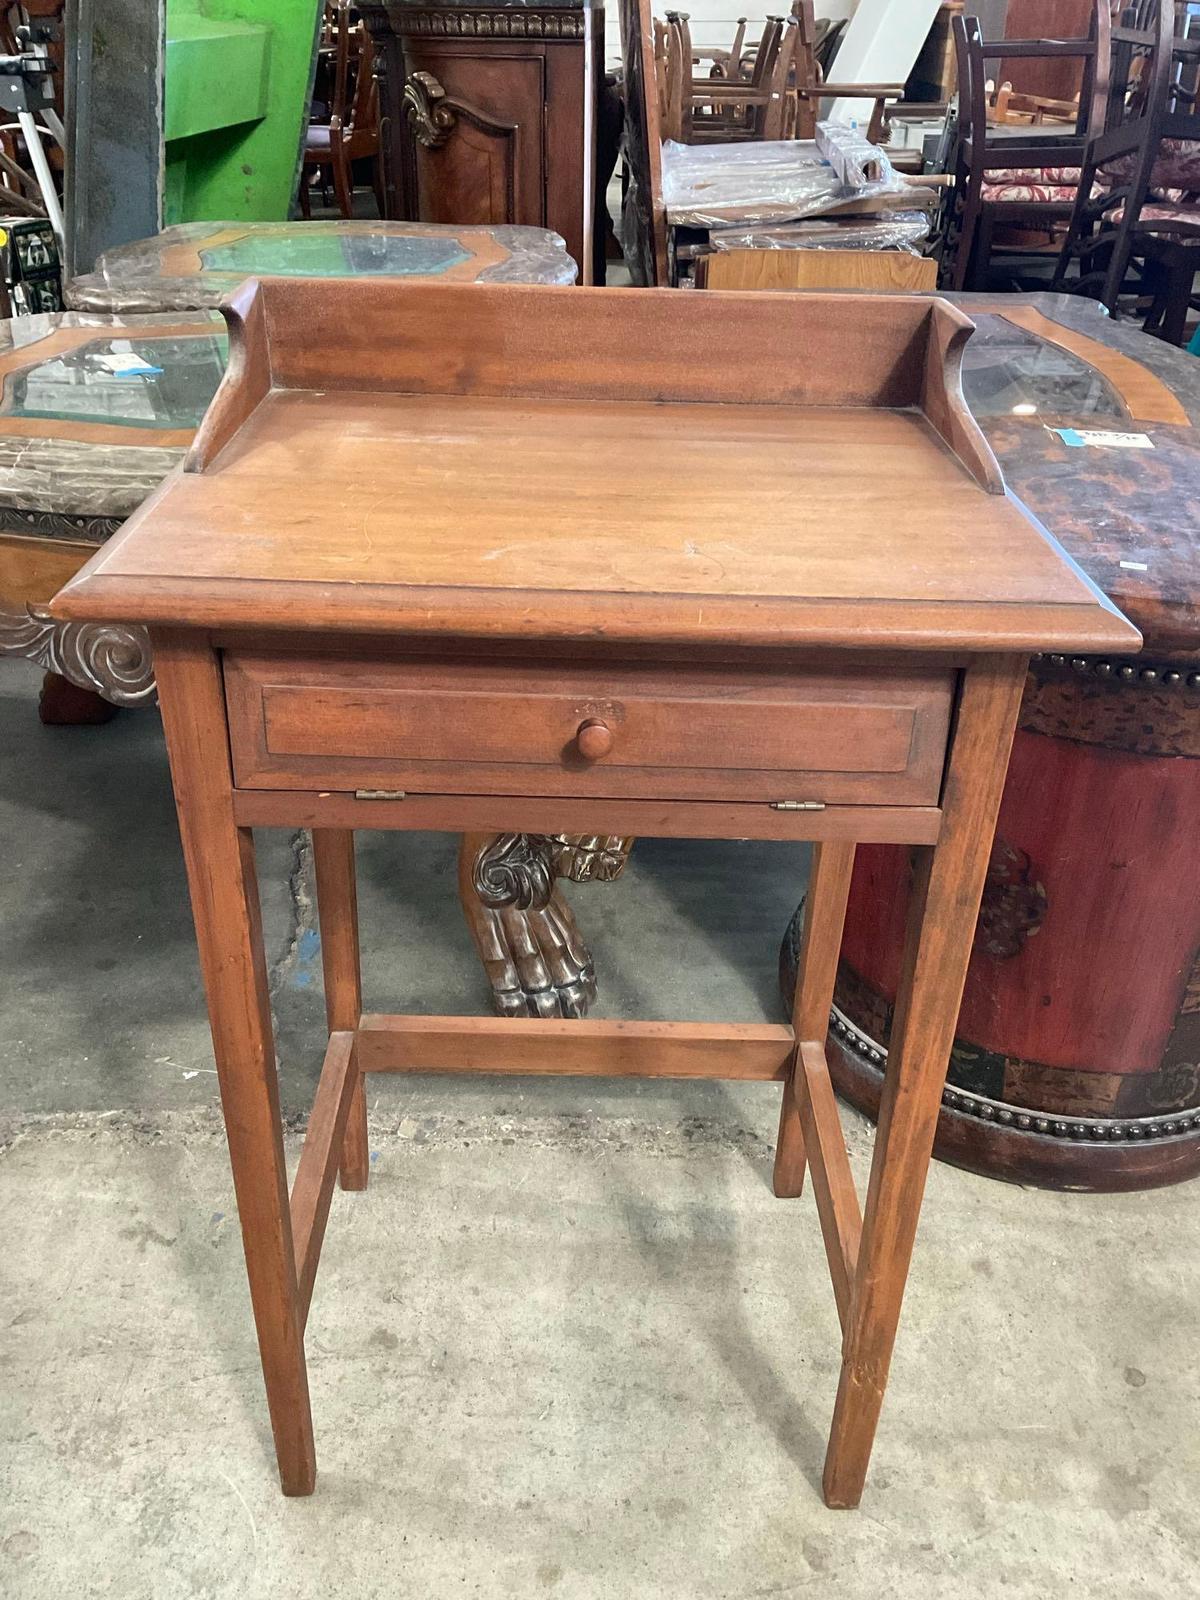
195,264
156,382
1009,371
95,411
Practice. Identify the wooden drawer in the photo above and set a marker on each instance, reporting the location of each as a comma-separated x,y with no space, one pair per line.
848,736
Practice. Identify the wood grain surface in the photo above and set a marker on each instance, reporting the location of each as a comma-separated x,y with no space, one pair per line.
534,461
575,1046
553,517
858,735
816,269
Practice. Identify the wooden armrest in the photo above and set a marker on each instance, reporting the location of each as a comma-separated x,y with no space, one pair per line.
736,93
857,91
1034,49
919,111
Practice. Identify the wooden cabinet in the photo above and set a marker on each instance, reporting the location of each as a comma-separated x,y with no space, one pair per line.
488,114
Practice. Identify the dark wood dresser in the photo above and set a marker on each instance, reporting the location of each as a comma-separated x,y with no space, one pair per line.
489,112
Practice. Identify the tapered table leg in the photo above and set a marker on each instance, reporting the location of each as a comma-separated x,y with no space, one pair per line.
337,910
220,866
816,973
942,915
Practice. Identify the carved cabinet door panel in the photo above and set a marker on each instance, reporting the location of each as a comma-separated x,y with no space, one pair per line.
477,136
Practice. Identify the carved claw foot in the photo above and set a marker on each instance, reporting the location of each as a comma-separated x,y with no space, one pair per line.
525,932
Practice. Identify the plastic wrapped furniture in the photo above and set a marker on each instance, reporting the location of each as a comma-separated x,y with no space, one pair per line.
902,230
195,265
673,187
771,181
757,194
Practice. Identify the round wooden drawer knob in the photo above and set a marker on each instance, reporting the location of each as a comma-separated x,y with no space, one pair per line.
595,739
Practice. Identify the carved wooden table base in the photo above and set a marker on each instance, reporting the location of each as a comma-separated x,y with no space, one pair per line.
111,659
524,930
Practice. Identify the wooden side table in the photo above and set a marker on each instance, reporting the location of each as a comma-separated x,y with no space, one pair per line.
670,640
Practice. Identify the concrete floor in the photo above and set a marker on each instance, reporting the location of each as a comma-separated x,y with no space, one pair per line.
567,1343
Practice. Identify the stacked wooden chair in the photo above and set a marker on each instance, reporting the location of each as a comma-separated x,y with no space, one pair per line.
352,131
1139,196
769,90
683,202
742,97
723,62
1022,181
807,83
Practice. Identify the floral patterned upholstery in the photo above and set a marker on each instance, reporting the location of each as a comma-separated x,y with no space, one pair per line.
1174,194
1044,193
1053,185
1155,211
1177,166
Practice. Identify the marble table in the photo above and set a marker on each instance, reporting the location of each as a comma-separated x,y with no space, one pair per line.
195,264
99,404
94,412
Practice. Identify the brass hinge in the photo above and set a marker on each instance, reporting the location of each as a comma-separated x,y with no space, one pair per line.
380,794
797,805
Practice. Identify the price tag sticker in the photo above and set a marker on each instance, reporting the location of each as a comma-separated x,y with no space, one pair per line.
1105,439
124,364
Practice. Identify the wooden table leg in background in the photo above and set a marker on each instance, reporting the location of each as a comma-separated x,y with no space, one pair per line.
63,704
942,915
337,910
220,866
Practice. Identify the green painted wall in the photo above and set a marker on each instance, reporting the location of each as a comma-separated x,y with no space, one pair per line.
238,79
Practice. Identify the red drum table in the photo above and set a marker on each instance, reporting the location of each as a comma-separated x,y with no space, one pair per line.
1077,1058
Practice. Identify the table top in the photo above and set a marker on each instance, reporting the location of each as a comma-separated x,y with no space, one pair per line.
95,411
550,463
195,264
1135,507
1130,517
